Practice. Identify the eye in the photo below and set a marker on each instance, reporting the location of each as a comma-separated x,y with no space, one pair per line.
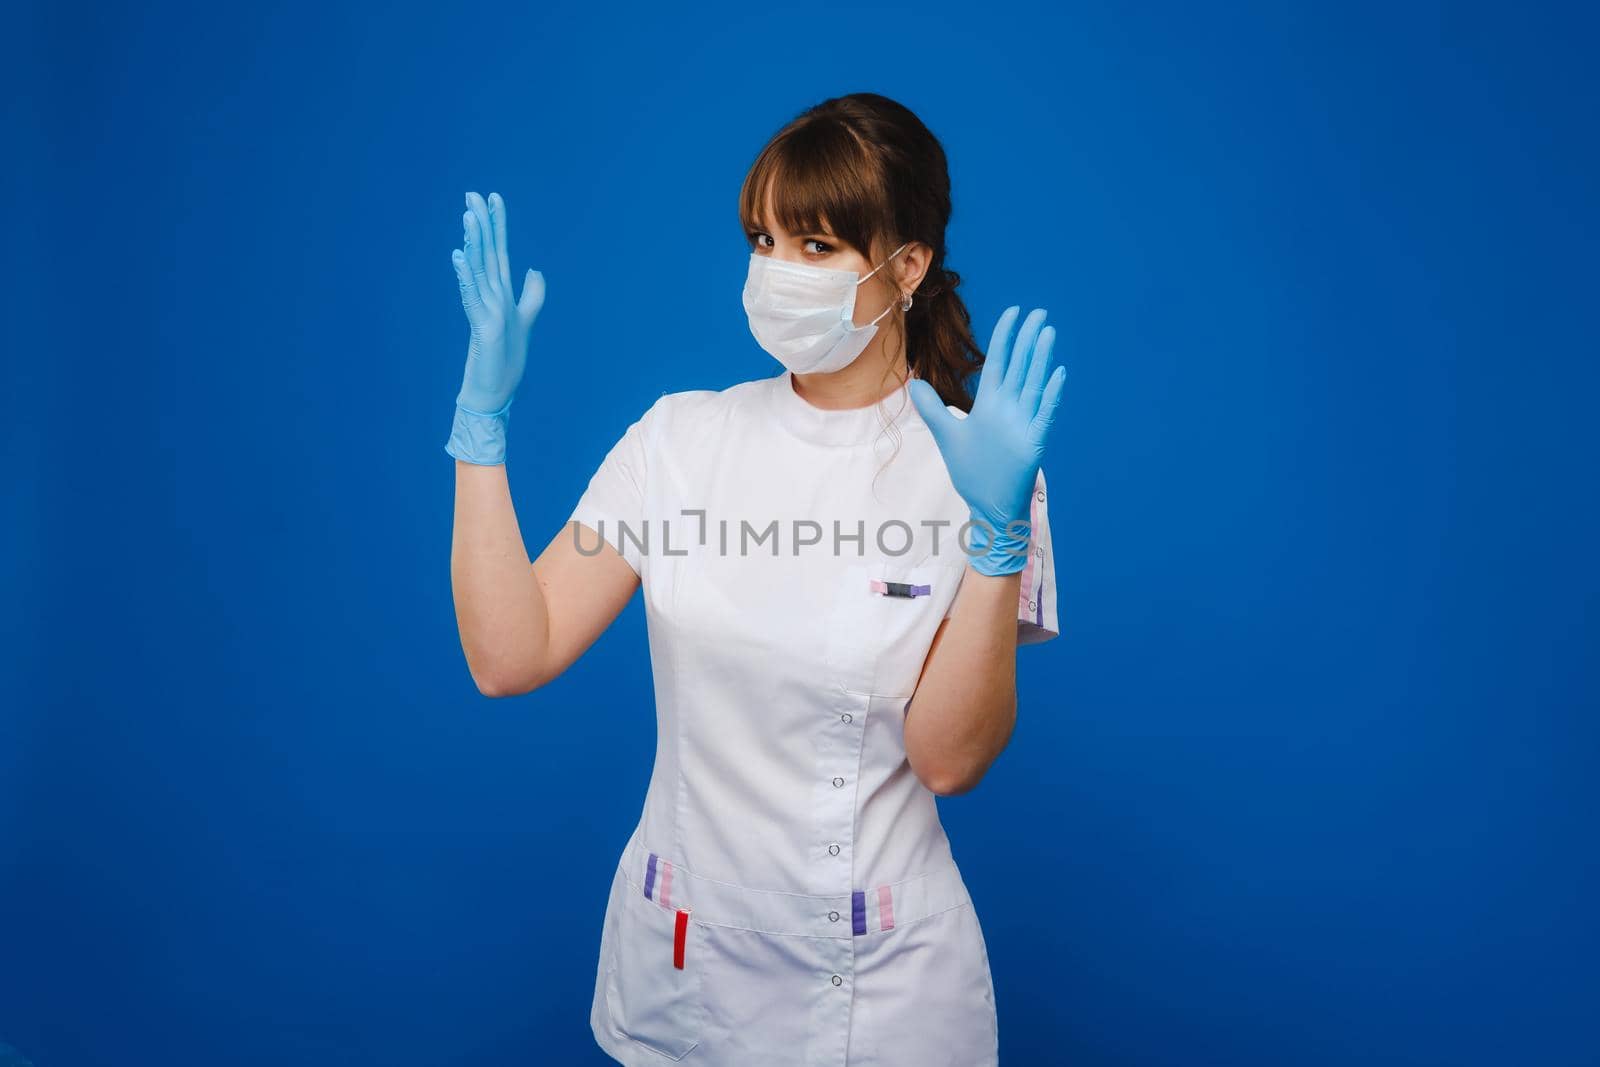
826,249
755,236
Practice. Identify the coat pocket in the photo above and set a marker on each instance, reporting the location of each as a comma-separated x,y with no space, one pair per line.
883,616
653,986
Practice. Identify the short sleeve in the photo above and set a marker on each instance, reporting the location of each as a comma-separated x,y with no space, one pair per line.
1036,599
613,503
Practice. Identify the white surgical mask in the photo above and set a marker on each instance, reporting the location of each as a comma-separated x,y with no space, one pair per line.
805,315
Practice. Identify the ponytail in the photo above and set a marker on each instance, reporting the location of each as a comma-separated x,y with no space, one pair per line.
940,348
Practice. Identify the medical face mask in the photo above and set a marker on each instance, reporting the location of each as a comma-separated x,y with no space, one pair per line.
804,315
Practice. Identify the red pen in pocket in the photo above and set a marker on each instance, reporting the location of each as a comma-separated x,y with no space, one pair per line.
680,935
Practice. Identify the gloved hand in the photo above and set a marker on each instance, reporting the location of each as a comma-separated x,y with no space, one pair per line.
498,350
993,454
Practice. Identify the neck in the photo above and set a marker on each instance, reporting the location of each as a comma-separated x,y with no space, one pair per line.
879,370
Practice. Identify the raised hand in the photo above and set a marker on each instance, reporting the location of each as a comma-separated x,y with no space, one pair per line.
993,454
497,352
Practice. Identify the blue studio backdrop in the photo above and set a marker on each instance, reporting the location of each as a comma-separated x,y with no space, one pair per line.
1308,777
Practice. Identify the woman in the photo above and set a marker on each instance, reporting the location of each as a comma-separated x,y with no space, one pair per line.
827,657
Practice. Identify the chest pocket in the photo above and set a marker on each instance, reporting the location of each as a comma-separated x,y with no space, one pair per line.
652,999
884,611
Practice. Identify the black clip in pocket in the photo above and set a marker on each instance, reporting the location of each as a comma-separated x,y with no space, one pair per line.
903,589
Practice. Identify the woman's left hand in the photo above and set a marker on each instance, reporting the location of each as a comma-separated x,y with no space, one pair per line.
993,454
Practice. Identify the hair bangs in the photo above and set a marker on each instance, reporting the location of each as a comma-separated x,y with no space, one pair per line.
820,179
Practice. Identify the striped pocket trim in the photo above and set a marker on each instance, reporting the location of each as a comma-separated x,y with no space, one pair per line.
662,867
881,912
864,917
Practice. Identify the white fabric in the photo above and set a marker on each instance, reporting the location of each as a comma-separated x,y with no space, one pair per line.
781,785
804,315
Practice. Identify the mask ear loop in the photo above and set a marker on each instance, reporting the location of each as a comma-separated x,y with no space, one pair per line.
905,298
882,265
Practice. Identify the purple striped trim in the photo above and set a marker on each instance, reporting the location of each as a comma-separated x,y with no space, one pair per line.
1038,599
1038,616
1032,571
650,876
858,912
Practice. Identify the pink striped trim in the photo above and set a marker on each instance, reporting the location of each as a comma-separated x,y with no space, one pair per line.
885,908
1030,569
664,898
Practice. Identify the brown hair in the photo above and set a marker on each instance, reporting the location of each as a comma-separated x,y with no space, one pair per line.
866,169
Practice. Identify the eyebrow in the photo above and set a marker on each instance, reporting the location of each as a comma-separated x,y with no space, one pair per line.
817,233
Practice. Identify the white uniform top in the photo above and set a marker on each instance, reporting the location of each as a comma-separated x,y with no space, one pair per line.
788,896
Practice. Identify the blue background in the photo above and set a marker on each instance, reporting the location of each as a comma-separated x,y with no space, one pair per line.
1309,777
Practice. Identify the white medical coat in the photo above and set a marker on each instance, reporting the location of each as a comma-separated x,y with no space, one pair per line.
788,895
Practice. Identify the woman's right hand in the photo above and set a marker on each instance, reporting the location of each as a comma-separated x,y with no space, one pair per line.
497,352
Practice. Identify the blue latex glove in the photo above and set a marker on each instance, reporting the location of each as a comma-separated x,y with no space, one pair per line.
498,350
993,454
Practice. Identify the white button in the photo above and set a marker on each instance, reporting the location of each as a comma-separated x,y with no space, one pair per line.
838,781
837,980
833,915
833,850
1032,606
1038,552
1039,495
845,716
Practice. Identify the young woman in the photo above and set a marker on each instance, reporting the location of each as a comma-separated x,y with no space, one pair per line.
838,562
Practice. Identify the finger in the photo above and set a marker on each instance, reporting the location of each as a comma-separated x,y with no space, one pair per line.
470,301
1022,352
480,212
491,267
497,234
994,361
1039,428
1038,370
532,296
475,252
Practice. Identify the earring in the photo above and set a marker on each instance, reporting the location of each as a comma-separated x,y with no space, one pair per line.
905,302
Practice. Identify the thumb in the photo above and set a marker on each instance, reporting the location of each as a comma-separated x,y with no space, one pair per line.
532,296
932,410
